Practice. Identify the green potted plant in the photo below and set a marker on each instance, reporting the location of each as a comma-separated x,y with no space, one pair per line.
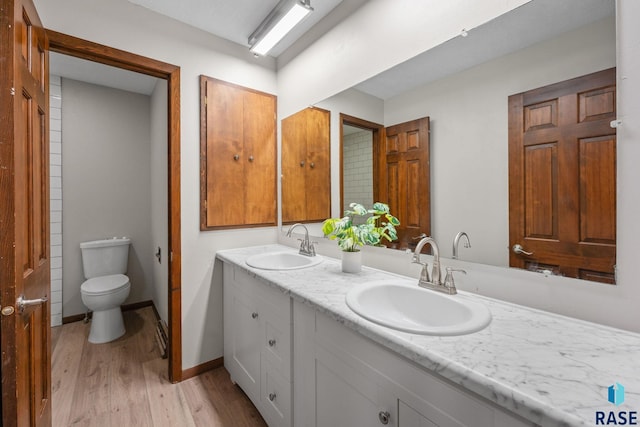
379,224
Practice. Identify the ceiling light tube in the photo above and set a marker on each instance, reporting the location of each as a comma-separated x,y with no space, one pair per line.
286,15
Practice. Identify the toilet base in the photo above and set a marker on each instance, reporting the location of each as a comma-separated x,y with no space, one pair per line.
106,326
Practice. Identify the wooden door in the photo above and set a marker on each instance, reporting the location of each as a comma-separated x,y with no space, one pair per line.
318,179
294,166
259,126
562,177
24,217
405,179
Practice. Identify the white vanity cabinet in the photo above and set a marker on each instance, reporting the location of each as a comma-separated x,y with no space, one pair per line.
257,343
343,379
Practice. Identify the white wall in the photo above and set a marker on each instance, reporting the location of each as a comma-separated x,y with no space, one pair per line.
107,182
606,304
159,215
469,133
122,25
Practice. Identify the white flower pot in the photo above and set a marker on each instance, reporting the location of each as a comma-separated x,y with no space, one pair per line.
351,262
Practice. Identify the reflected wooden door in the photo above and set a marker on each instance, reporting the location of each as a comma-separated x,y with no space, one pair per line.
562,177
24,218
405,179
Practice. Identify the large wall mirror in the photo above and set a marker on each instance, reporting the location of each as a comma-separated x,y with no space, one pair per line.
463,86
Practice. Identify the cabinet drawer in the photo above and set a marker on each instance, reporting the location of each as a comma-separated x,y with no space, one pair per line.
276,344
273,310
275,396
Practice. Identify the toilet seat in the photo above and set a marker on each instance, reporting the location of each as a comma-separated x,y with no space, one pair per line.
104,285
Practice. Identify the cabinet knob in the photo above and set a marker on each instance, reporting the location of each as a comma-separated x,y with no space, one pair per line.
254,315
272,342
313,165
251,158
236,157
272,396
384,417
302,164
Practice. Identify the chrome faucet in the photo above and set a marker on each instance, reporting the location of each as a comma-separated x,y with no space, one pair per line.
425,281
456,242
306,246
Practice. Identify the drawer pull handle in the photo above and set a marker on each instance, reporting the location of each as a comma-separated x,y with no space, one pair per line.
272,396
254,315
272,342
384,417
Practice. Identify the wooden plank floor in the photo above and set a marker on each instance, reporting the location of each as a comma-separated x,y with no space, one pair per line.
124,383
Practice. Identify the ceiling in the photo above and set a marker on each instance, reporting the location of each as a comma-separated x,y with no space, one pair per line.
100,74
235,20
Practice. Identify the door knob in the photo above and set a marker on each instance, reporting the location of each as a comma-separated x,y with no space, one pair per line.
520,250
272,342
254,315
22,303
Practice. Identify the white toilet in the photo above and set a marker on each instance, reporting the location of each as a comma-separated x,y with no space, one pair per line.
105,263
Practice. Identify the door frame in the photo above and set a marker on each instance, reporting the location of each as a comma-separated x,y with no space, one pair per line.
79,48
377,136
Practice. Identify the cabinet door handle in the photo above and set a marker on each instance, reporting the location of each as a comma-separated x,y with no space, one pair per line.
384,417
272,342
236,157
302,164
251,158
272,396
254,315
313,165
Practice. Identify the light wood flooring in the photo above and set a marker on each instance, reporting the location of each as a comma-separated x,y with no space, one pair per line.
124,383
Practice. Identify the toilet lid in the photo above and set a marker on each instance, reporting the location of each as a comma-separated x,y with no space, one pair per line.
104,284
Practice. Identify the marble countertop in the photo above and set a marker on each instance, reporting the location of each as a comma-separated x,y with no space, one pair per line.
550,369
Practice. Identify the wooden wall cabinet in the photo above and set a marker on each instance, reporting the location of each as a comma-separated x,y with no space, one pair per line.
237,156
306,171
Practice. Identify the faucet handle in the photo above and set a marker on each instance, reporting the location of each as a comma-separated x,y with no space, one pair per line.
448,280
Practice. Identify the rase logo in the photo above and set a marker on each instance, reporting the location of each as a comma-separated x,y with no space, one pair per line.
615,395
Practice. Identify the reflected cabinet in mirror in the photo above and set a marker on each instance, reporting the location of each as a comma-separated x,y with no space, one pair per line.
306,180
464,86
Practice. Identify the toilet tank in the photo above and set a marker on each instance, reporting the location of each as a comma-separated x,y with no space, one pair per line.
104,257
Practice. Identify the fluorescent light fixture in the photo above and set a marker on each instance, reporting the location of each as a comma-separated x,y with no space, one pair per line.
286,15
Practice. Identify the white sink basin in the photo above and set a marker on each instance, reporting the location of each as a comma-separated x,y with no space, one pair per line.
282,261
418,311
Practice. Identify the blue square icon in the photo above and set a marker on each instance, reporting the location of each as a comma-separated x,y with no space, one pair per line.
616,394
